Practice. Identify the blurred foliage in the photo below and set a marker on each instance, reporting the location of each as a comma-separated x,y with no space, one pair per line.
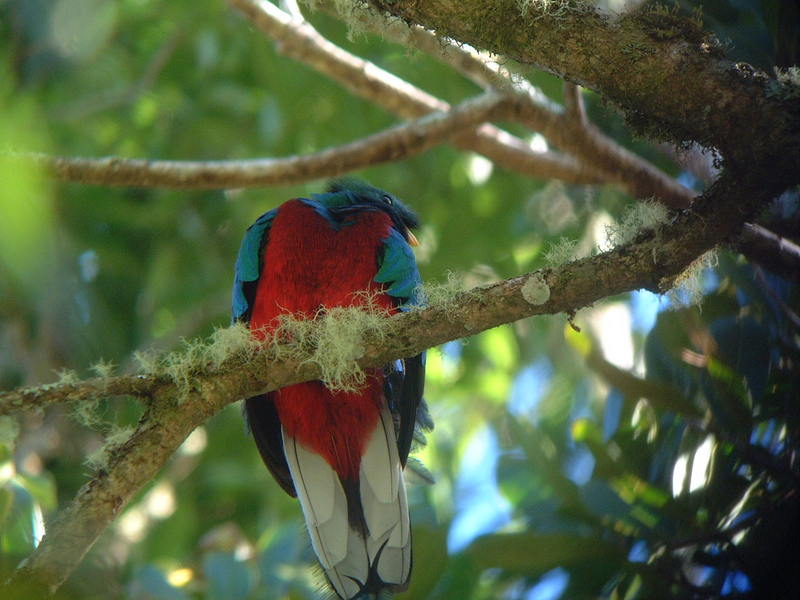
652,455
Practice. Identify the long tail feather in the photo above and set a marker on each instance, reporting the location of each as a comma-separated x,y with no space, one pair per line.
364,547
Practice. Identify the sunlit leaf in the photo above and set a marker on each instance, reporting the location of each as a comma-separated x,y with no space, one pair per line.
22,525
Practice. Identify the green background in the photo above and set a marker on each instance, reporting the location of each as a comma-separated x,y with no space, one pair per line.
551,481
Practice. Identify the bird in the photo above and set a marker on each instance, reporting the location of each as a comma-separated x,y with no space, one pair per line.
341,453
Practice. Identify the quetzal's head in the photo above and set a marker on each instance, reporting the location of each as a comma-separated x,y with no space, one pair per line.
349,195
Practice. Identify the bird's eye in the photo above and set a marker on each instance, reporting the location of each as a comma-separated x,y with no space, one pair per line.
387,198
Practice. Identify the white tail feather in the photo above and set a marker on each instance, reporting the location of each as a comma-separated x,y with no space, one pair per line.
344,553
383,497
323,501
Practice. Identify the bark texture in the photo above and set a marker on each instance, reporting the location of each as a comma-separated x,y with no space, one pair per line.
669,76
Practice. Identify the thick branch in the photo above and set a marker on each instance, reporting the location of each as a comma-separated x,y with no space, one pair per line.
476,67
652,262
661,69
393,144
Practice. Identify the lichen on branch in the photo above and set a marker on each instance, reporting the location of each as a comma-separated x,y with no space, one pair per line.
225,349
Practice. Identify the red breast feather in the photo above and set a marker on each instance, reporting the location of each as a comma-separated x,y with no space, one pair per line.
309,265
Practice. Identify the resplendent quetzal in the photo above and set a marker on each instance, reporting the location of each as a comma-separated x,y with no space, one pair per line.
341,453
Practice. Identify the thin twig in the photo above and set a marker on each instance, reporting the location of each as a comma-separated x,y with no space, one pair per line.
293,8
587,143
773,252
574,108
39,397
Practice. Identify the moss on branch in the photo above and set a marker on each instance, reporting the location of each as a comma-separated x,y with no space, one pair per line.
666,73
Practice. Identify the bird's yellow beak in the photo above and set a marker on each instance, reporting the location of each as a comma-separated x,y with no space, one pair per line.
412,239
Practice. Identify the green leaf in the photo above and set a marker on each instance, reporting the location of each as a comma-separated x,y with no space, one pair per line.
540,452
22,523
430,561
530,554
460,579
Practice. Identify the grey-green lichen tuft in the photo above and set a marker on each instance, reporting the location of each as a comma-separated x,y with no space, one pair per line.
103,368
441,293
642,216
224,349
117,436
561,252
67,377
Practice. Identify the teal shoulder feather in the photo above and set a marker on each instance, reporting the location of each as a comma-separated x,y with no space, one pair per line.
398,270
248,265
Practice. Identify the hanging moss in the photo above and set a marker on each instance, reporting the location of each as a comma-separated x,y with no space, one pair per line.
224,349
688,286
441,293
334,340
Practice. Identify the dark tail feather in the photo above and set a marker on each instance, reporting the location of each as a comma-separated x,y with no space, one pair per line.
262,420
411,397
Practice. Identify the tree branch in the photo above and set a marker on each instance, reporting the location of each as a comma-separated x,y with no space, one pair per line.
771,251
365,79
476,67
653,262
395,143
567,128
42,396
667,75
574,108
586,142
